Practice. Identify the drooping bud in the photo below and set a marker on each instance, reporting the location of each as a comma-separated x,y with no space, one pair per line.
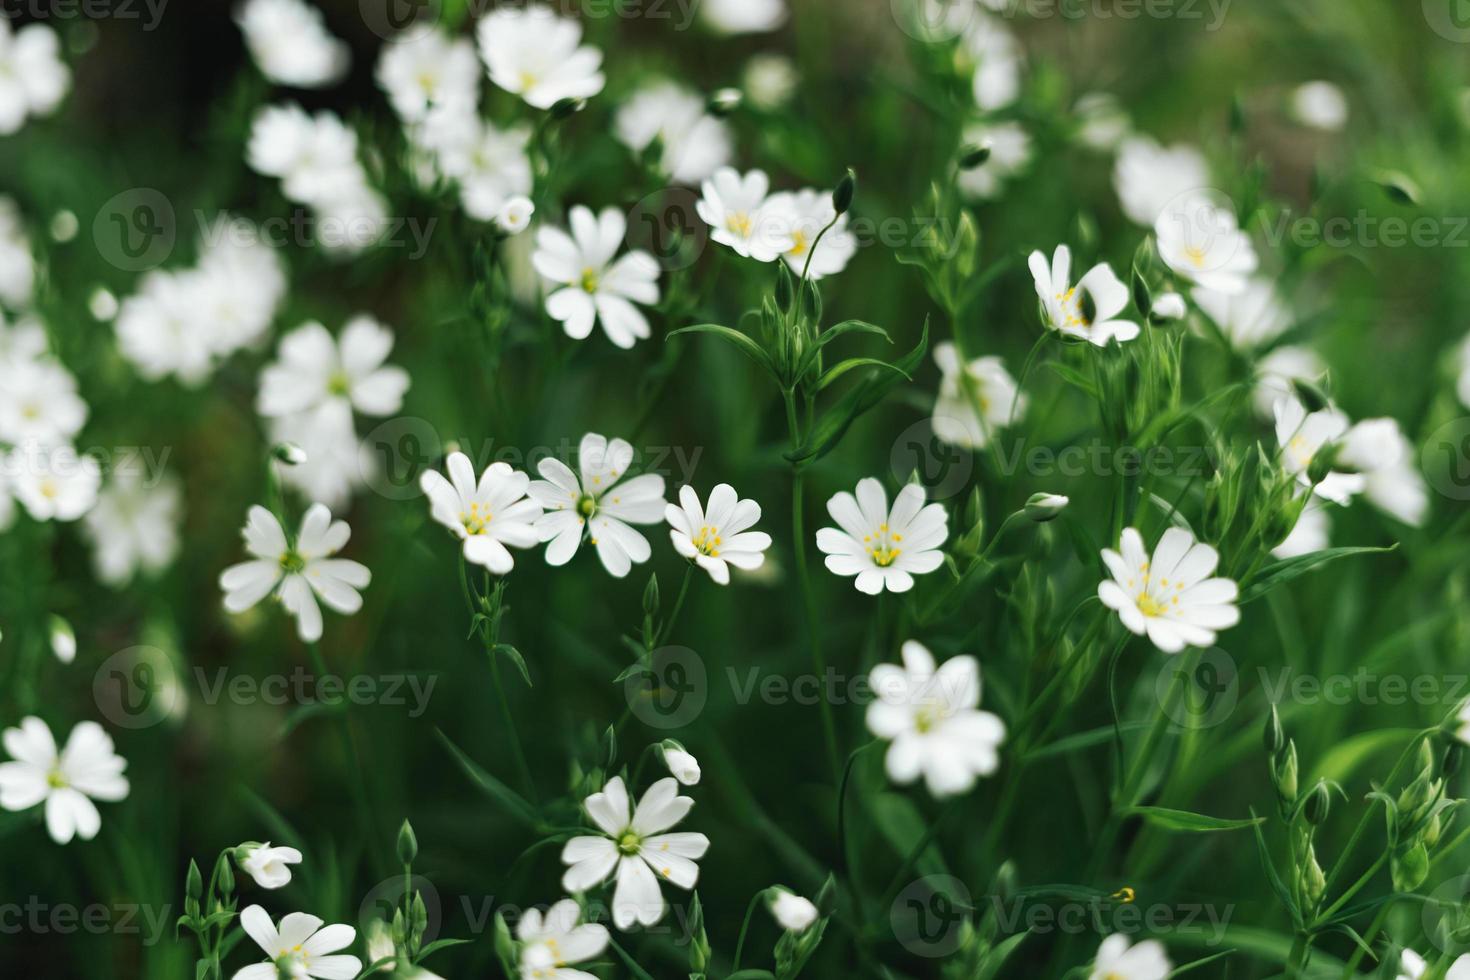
1044,507
725,102
1313,398
289,453
972,156
843,194
63,640
566,108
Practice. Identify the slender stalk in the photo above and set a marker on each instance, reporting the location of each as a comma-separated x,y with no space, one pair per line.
668,627
745,927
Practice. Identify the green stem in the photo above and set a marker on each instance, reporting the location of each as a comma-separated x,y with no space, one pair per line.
668,627
745,927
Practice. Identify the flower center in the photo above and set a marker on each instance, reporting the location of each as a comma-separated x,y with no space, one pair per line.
1195,255
55,779
708,541
1150,606
882,546
799,243
586,505
477,519
292,562
339,384
589,279
739,223
528,80
291,964
928,716
629,843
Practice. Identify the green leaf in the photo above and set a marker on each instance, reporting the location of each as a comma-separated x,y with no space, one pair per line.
1183,820
832,333
838,370
997,956
1199,963
1275,575
437,945
1272,878
744,344
1074,378
510,800
514,656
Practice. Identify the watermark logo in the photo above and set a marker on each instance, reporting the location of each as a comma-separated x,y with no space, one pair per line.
667,225
1450,19
138,688
386,897
400,19
136,230
928,916
1445,459
942,469
671,692
1200,689
397,452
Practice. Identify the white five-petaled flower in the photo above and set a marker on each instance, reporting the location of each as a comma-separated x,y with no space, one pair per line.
315,370
735,208
533,53
883,548
792,912
296,572
1378,449
66,781
33,78
1302,435
596,289
637,845
553,941
1010,152
314,155
973,405
1320,105
1248,318
1200,239
1117,960
301,947
1088,310
39,402
1276,371
134,526
425,69
487,516
491,167
269,866
596,501
932,719
695,143
290,43
1171,596
717,536
802,216
53,483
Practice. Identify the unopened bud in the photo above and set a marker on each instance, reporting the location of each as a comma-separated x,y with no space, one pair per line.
1319,804
1169,306
973,156
1044,507
1313,398
193,881
1275,736
846,188
289,453
724,102
408,844
566,108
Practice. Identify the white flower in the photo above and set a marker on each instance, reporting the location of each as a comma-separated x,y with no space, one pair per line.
241,282
424,69
39,402
883,548
970,409
1249,318
134,527
33,78
296,572
1378,450
314,370
801,216
539,56
1010,152
1301,436
1411,964
516,216
490,166
1170,597
1116,960
1148,177
717,537
299,948
1169,306
1088,310
595,288
17,265
598,502
1198,238
269,866
792,912
1310,534
314,156
20,341
682,765
743,16
553,941
1462,379
487,515
994,55
735,208
290,43
637,846
695,143
53,482
67,781
932,719
1102,121
769,81
1275,373
1320,105
353,219
159,329
335,464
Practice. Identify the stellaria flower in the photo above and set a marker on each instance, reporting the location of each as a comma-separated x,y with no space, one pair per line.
883,548
66,781
1171,596
598,500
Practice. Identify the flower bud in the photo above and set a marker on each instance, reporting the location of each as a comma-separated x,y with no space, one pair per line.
408,844
1314,882
1454,757
724,102
1409,869
566,108
515,215
794,913
973,156
1169,306
1313,399
1275,736
682,764
1284,772
63,640
1044,507
1319,804
846,188
289,453
650,595
193,882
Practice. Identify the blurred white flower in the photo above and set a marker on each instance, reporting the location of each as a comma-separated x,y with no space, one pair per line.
269,866
516,216
1171,596
533,53
1462,376
1310,534
1148,177
1168,306
1301,435
300,948
39,402
1199,239
314,156
595,288
296,572
1411,964
1010,153
743,16
638,847
63,640
21,340
597,502
33,78
159,330
792,912
695,143
490,166
17,265
66,781
1378,450
931,719
734,206
556,940
315,370
1102,122
971,407
1320,105
1249,318
134,527
487,515
681,763
53,482
801,216
1276,371
427,68
883,548
290,43
1087,310
1117,960
717,537
991,51
769,81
